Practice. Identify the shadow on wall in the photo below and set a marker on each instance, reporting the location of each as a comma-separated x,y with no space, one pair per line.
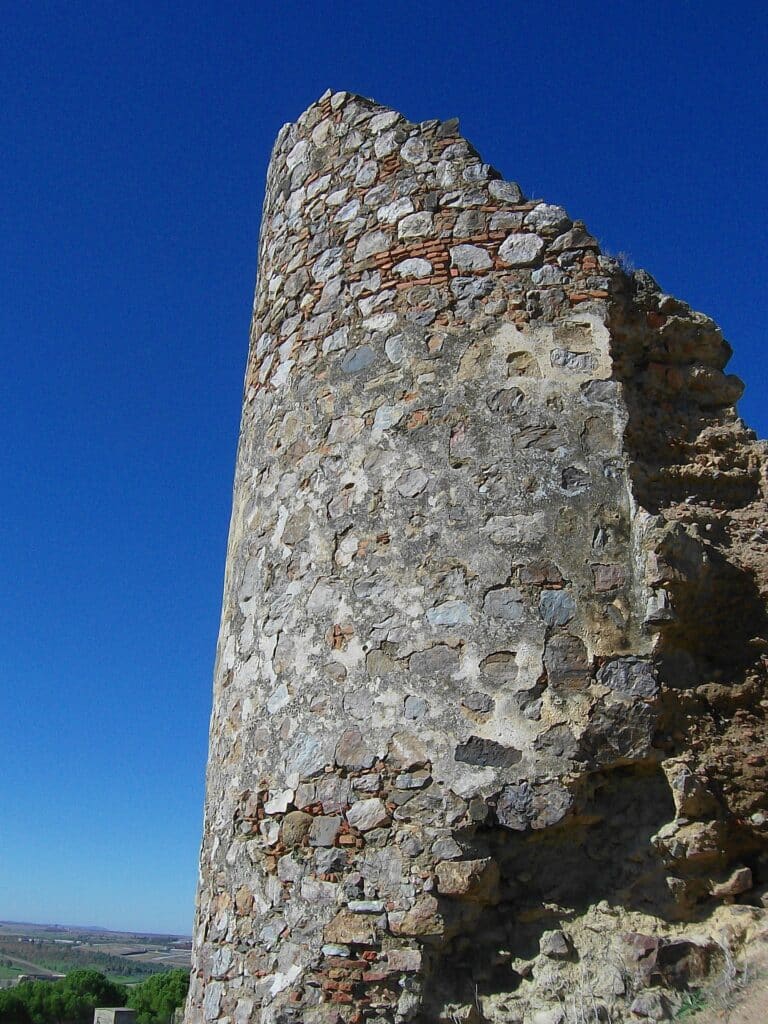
549,878
693,461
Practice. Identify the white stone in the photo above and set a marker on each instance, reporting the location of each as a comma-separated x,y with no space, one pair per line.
414,150
277,700
413,268
380,322
387,416
278,803
337,198
349,211
297,154
336,341
328,264
385,145
520,249
367,814
391,213
380,122
394,349
547,217
415,225
367,174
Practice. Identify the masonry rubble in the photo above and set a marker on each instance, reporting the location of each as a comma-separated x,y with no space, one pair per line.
488,722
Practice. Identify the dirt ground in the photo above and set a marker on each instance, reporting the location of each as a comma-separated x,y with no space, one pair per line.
747,1005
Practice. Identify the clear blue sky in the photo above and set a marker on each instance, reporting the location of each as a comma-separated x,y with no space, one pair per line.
135,139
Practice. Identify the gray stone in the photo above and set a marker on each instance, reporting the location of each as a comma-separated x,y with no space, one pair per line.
415,707
479,702
392,212
506,192
413,780
629,677
468,288
306,756
549,274
470,257
330,861
367,174
371,243
436,660
358,359
367,783
567,664
580,362
522,806
555,944
483,752
556,607
366,906
333,793
380,122
394,348
412,482
468,223
352,750
504,603
449,613
576,238
603,391
506,220
334,949
324,830
446,848
651,1005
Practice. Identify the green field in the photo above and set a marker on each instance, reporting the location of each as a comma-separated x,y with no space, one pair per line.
53,956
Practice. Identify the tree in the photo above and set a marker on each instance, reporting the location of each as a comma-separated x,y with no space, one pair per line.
13,1009
156,998
70,1000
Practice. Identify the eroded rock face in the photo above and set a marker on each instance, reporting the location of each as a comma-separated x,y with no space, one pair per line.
489,681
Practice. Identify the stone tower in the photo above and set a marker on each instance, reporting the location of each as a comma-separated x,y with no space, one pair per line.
487,733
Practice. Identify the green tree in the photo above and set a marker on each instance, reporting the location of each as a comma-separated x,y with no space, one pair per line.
13,1009
155,999
69,1000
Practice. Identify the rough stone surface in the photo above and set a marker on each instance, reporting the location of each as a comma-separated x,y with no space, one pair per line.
491,666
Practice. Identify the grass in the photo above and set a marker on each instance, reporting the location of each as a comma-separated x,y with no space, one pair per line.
692,1003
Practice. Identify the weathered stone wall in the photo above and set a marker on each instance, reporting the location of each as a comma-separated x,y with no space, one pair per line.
490,607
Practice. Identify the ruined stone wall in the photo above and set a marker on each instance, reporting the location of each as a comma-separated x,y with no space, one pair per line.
472,700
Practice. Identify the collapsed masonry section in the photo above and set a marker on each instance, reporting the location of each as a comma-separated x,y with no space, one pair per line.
465,723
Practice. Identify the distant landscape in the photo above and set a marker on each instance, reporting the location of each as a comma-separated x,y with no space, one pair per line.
52,950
